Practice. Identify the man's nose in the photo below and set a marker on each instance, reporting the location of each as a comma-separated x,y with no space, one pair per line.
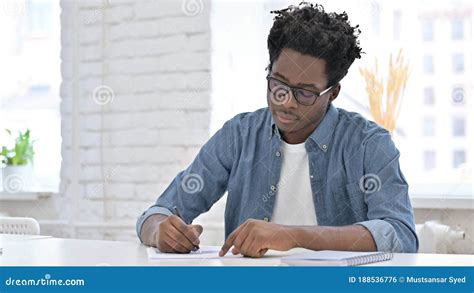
290,101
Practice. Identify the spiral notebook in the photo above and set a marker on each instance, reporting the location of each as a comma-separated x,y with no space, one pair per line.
336,258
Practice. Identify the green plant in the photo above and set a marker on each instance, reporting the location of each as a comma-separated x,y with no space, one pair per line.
22,153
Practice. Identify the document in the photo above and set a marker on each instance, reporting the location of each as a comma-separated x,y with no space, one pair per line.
205,252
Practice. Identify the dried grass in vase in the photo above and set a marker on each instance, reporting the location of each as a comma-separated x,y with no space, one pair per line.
386,113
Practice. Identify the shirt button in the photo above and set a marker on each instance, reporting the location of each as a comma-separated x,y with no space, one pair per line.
325,146
277,154
273,187
311,176
265,219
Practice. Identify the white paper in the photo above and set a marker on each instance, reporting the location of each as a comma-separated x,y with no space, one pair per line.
205,252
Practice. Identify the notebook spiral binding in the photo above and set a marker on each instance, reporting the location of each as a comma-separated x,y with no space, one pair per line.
366,259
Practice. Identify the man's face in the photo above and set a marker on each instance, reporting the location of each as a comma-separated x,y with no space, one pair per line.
296,121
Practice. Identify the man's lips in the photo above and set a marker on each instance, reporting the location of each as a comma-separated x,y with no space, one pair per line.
285,118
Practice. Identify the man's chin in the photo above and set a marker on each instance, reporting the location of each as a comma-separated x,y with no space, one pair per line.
287,128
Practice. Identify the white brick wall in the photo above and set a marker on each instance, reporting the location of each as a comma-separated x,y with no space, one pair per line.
120,151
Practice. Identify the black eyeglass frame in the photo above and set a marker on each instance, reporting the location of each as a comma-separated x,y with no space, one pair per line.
294,90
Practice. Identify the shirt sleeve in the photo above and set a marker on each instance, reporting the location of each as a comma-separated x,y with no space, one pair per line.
390,214
194,190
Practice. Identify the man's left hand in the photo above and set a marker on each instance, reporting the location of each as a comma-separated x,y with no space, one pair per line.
255,237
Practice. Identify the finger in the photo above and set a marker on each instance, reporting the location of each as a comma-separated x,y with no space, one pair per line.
180,238
241,238
193,236
230,240
246,246
227,244
186,230
262,252
164,247
258,247
176,245
198,229
235,251
255,248
183,239
161,243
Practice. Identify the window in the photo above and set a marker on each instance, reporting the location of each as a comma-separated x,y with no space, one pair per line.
458,63
459,158
425,128
428,126
459,126
429,160
428,65
397,21
428,96
376,15
457,29
29,95
427,28
40,15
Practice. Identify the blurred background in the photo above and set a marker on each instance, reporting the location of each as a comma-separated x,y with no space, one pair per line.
119,95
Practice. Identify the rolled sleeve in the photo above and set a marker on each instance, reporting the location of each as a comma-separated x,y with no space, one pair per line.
384,235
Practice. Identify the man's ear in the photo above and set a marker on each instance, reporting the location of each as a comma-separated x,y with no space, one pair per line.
335,92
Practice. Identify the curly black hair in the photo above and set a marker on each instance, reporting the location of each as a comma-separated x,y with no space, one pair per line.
309,30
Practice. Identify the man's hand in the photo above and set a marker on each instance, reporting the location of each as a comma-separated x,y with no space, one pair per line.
170,234
255,237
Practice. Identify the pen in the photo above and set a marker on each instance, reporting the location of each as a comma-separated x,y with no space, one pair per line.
176,211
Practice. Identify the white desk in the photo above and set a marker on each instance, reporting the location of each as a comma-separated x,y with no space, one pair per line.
4,238
74,252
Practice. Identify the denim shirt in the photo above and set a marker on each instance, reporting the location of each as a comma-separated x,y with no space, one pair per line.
354,173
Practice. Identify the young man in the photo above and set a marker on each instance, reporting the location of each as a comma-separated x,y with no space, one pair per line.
300,173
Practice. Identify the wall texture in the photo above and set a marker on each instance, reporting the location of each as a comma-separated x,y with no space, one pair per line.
135,100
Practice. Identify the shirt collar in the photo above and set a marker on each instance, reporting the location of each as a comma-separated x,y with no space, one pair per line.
322,134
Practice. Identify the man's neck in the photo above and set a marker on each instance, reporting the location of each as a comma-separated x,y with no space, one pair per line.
299,136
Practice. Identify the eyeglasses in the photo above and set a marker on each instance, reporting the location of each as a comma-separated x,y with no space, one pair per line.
280,93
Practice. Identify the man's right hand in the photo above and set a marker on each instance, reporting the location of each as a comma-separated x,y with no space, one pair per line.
170,234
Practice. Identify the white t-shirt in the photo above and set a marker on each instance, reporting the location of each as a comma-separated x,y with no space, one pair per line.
294,203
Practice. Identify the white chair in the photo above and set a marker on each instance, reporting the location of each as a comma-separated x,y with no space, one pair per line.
19,225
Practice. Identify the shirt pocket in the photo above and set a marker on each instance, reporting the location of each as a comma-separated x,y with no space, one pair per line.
350,202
